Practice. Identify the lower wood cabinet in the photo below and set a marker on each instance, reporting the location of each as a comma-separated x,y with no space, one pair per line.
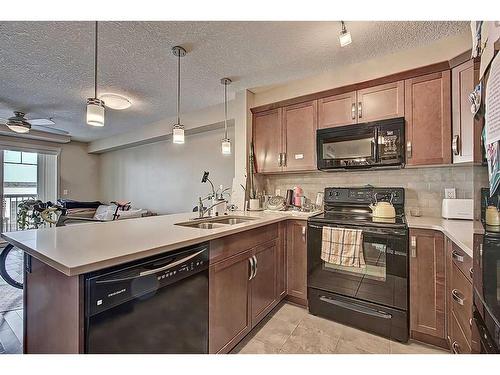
245,287
297,261
229,302
427,287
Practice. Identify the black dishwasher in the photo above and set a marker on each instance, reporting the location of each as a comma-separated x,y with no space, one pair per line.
156,305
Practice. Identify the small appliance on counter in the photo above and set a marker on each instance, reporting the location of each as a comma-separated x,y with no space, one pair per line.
457,209
372,296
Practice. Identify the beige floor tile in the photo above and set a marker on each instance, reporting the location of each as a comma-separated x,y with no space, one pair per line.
413,347
365,341
290,313
321,325
346,347
255,346
275,332
304,341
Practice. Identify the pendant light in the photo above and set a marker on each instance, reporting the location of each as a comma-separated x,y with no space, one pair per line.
178,128
95,106
226,142
345,36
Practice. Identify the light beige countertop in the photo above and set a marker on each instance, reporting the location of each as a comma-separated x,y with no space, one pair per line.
459,231
81,248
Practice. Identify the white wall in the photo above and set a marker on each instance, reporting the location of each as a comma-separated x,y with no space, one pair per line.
163,177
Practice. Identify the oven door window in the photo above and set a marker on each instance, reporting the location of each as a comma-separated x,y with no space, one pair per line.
383,279
374,253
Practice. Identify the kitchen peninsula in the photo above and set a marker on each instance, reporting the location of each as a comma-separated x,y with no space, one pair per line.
59,258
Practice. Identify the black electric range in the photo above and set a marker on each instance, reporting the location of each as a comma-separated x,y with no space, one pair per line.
373,297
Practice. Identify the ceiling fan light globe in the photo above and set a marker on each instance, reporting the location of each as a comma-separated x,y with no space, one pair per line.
115,101
95,112
21,129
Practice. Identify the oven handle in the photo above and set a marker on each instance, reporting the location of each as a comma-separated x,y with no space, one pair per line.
371,231
357,308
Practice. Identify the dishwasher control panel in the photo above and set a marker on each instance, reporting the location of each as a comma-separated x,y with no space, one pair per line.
141,279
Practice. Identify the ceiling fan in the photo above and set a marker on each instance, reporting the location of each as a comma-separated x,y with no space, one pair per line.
19,124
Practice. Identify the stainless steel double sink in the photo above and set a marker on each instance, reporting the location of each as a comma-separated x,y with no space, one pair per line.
216,222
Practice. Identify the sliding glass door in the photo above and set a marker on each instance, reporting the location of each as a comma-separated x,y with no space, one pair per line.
25,175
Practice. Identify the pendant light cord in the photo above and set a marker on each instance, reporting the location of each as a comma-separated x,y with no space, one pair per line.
225,110
178,87
95,63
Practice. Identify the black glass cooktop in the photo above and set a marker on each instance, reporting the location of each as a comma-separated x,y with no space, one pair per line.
358,218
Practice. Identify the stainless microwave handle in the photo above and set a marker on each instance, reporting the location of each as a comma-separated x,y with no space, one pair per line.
353,111
356,307
360,110
173,264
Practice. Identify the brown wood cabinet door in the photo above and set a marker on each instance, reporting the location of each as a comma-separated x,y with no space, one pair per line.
427,286
263,283
337,110
229,303
462,84
381,102
299,127
297,261
428,119
267,138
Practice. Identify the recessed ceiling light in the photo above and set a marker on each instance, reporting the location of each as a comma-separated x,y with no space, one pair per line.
115,101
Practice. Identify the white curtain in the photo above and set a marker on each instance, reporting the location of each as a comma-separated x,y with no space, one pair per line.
47,177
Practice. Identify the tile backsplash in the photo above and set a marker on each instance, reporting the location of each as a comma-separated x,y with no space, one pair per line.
424,187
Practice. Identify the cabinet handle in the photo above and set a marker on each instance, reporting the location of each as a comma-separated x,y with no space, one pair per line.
457,256
251,268
455,145
360,110
457,296
304,233
353,111
254,266
455,347
280,159
413,246
408,149
471,272
284,160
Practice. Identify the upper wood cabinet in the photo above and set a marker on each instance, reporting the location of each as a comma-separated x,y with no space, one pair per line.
337,110
297,261
267,139
428,119
299,129
370,104
462,84
427,286
285,138
381,102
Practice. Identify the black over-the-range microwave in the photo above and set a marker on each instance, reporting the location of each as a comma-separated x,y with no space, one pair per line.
368,145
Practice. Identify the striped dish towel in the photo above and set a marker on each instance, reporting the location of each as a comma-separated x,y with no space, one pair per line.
343,247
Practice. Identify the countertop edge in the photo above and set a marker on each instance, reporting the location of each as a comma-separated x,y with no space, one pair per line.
91,267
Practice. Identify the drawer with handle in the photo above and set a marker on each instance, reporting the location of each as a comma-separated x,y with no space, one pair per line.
461,300
459,343
462,261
